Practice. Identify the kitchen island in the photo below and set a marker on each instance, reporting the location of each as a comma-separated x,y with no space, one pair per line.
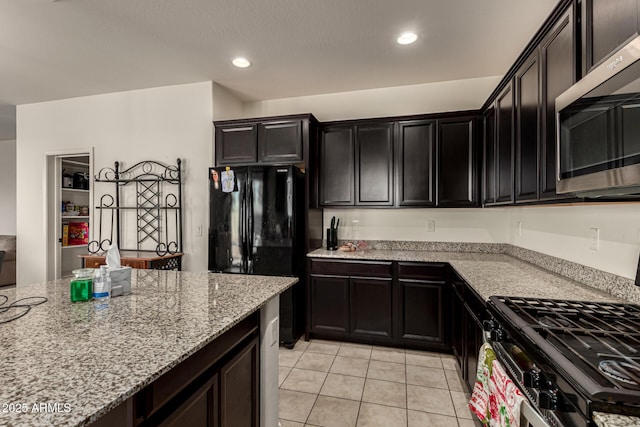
70,364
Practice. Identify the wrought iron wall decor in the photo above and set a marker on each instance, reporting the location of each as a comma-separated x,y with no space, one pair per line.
158,207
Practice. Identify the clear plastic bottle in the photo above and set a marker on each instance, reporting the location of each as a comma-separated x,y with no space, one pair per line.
102,286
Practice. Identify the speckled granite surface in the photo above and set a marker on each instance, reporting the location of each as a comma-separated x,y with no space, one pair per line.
612,284
613,420
63,352
618,286
489,274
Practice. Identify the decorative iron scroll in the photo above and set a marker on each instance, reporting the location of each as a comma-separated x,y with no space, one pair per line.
158,207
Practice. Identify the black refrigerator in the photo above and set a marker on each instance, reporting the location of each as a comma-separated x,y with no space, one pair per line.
256,226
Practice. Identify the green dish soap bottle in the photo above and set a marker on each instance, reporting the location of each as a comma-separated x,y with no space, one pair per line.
82,285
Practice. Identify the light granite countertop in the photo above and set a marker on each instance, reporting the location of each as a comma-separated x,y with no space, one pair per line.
487,273
614,420
93,359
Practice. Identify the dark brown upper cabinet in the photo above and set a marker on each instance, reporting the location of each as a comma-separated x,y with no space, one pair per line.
415,163
504,145
356,165
280,142
269,140
457,170
606,26
236,144
558,73
374,164
527,112
489,157
337,166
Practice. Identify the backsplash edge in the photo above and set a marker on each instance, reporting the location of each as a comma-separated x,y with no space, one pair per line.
613,284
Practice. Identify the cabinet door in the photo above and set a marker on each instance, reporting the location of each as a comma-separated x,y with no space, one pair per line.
558,74
489,157
457,325
236,144
420,314
415,163
527,129
239,387
374,165
329,304
337,166
473,339
200,409
504,146
457,182
371,307
280,142
607,25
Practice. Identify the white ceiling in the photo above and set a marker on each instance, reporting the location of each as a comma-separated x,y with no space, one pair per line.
66,48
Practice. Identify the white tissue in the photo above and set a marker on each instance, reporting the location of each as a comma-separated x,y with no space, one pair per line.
120,276
113,257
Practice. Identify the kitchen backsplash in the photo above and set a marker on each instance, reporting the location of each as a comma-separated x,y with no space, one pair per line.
618,286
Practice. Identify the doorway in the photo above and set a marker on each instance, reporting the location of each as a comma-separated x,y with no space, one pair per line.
69,208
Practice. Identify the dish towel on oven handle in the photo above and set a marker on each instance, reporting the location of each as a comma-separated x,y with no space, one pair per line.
479,402
495,399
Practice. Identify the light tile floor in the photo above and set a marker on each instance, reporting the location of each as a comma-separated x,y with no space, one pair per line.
333,384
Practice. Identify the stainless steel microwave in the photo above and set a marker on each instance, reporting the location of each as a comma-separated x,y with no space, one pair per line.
598,129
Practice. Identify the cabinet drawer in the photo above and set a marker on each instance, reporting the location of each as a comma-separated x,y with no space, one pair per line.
352,268
94,261
431,271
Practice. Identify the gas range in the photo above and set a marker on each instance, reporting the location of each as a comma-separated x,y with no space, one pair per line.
570,357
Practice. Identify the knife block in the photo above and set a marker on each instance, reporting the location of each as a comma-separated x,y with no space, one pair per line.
332,239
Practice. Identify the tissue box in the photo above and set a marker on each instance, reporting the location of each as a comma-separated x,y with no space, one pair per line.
120,281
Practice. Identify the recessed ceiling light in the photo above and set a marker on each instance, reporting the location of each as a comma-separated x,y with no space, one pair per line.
407,37
241,62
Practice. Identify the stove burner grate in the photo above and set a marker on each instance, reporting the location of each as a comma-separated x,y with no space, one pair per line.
621,371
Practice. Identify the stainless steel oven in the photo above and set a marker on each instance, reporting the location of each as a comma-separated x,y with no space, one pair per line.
541,394
598,129
570,358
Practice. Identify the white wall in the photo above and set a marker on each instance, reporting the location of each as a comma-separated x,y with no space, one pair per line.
8,187
451,225
426,98
225,104
565,232
150,124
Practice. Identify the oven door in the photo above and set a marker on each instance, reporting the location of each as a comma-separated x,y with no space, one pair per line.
527,377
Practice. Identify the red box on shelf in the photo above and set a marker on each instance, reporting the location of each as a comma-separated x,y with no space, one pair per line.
78,233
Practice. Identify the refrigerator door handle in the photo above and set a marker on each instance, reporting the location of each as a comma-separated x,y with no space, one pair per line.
242,227
250,235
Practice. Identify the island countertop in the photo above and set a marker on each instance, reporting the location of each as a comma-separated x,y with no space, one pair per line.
487,273
83,361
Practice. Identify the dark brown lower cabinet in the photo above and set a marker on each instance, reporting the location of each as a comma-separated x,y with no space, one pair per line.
239,389
383,303
216,386
457,323
473,341
371,307
200,409
329,308
421,317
